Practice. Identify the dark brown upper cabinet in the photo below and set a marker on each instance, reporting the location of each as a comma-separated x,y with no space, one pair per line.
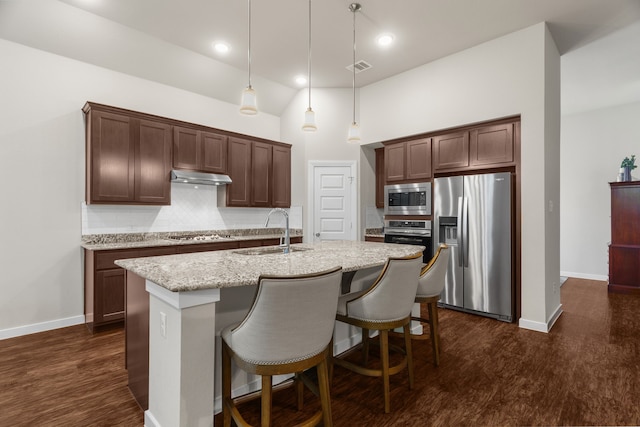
199,150
281,191
128,159
492,145
130,156
380,179
407,161
261,167
261,174
451,151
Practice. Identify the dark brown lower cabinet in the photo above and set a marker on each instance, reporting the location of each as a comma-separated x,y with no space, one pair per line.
104,285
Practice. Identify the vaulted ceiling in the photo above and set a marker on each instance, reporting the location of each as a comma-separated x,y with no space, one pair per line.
170,40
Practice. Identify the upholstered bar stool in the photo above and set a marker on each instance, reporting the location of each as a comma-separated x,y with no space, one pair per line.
384,306
430,286
288,329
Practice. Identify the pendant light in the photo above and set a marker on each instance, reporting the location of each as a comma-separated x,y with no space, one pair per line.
354,129
309,115
248,103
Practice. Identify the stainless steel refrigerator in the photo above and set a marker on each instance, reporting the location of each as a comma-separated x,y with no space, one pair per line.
472,214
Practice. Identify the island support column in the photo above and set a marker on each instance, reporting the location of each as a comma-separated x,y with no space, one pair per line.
181,357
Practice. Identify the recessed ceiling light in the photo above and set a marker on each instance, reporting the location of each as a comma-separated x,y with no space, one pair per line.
301,80
221,47
385,40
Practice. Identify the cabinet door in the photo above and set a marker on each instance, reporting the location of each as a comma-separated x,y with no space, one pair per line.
109,296
261,184
491,145
418,159
239,168
110,162
214,152
153,163
451,151
186,149
380,177
281,191
394,163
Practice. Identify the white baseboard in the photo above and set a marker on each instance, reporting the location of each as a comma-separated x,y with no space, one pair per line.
41,327
541,326
585,276
150,420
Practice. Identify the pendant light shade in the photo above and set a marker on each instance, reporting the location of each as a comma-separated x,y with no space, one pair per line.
309,121
354,130
248,103
309,116
354,133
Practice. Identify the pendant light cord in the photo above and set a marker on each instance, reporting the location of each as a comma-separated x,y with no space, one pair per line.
249,40
355,9
309,57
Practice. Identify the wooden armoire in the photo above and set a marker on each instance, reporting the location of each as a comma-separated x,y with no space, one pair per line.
624,249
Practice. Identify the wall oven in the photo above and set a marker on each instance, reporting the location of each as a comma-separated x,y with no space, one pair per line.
414,232
407,199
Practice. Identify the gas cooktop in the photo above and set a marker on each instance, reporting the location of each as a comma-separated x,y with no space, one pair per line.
200,237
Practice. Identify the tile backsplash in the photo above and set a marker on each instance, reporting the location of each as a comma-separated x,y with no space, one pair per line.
374,217
191,209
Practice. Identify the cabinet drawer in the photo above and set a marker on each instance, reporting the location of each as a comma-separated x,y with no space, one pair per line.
105,259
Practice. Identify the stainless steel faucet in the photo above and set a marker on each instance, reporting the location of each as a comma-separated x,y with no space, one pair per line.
287,240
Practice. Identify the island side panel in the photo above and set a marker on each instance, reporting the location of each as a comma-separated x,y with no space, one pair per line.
181,357
137,338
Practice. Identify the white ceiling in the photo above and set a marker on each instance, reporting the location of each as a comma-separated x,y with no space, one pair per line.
170,40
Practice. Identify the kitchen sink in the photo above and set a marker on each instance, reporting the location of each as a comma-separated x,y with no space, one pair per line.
268,250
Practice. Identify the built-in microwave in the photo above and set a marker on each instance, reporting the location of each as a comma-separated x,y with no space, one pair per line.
407,199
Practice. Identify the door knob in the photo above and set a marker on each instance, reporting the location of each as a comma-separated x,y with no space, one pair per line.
317,234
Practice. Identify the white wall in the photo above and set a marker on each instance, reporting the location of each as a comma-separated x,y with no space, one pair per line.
42,147
514,74
334,110
593,146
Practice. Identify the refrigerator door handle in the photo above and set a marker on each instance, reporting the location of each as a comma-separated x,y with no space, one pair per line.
465,231
459,232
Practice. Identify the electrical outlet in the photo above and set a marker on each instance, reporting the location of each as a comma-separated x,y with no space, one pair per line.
163,324
555,288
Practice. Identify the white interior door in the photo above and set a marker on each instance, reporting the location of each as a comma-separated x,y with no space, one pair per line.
333,202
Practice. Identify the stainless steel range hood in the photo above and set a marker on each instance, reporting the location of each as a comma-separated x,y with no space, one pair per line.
200,178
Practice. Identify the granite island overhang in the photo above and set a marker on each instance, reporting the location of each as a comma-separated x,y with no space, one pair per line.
184,291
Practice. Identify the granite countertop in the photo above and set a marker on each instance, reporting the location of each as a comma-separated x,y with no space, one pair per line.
373,232
228,268
97,242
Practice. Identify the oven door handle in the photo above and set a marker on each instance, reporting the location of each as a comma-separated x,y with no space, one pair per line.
408,240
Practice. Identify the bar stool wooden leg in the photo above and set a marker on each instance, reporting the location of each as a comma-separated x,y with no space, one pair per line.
384,356
330,361
325,398
226,385
299,390
266,401
407,345
365,347
434,330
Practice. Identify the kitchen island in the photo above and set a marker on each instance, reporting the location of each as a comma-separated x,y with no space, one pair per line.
193,296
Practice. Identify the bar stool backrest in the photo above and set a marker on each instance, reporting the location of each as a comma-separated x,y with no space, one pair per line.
291,319
432,277
392,296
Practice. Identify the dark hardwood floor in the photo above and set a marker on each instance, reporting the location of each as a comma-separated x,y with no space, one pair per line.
586,371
